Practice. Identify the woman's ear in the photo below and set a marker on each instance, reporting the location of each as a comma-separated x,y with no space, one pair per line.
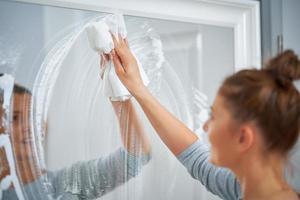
205,126
246,137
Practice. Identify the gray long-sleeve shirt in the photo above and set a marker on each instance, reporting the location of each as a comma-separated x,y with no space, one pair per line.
84,180
219,181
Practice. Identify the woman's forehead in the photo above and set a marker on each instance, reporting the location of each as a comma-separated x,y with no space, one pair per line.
21,99
218,103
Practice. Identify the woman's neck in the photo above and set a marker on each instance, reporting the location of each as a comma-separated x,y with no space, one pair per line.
262,178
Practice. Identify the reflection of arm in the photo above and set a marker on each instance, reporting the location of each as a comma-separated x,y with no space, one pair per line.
132,133
219,181
93,179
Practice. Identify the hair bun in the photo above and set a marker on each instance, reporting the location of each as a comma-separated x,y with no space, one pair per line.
285,67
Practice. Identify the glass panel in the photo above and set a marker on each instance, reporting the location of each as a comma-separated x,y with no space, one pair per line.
70,141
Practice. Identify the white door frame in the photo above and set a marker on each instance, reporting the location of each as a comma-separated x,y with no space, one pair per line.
241,15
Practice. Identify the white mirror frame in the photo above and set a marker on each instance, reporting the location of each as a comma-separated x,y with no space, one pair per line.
241,15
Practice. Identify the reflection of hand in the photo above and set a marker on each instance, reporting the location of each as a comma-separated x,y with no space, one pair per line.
126,66
4,168
104,58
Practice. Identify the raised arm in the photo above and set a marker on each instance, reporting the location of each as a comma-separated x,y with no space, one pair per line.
179,139
173,132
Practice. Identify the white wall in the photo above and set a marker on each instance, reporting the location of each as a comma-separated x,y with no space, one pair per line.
291,24
280,17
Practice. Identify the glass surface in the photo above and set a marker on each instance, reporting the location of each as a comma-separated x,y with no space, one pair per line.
69,122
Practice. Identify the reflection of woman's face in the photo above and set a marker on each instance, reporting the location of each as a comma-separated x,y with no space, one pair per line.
21,137
221,129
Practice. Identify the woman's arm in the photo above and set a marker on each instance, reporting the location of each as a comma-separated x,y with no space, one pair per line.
173,132
179,139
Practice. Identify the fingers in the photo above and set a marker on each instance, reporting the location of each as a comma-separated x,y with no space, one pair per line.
117,63
119,41
120,53
126,42
122,41
106,56
120,46
110,56
114,39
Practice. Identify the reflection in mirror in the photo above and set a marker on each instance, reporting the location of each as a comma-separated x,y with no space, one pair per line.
85,179
69,140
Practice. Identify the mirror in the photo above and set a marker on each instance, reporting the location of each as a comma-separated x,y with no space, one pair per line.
71,125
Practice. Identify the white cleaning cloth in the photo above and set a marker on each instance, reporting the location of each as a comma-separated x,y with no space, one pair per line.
116,24
101,41
99,37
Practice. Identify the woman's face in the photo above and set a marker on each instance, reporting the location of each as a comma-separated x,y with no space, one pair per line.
21,139
222,133
21,136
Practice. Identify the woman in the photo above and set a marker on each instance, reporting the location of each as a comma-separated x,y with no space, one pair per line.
254,123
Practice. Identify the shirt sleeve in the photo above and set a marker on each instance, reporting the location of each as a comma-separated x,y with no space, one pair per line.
93,179
219,181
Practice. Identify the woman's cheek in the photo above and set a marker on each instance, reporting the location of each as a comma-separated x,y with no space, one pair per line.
212,136
214,139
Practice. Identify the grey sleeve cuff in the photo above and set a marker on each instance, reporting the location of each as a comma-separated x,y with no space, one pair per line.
94,178
135,163
219,181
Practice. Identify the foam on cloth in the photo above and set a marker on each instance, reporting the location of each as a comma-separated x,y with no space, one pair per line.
99,37
101,41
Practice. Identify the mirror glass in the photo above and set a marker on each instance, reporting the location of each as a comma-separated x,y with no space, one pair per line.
67,139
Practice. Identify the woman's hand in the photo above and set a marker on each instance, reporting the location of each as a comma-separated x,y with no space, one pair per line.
126,66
